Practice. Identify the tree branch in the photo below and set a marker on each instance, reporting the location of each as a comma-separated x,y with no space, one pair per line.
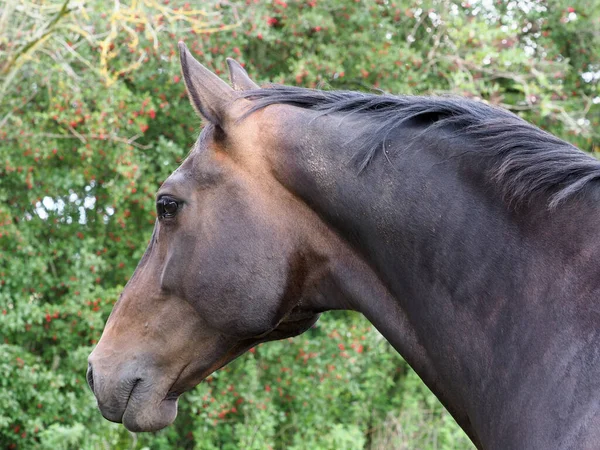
64,10
84,137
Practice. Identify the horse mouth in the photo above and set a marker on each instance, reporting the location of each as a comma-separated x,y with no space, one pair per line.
135,384
143,414
112,411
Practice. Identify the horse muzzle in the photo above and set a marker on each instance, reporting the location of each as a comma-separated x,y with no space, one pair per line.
131,397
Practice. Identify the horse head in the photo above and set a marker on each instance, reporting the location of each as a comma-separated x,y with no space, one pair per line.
231,262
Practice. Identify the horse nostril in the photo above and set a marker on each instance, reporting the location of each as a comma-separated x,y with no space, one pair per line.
90,377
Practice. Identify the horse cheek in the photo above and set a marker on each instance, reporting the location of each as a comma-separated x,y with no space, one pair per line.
238,293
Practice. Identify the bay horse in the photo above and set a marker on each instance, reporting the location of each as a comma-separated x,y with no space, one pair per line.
468,237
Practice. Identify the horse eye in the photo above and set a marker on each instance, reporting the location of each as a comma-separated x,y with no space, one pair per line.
167,207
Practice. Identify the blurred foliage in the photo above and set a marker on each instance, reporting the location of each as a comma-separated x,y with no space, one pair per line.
93,117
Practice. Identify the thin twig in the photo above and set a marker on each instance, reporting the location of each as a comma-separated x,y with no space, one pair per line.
78,135
97,137
414,30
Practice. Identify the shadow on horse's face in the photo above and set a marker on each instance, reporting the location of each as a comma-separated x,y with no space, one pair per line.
225,269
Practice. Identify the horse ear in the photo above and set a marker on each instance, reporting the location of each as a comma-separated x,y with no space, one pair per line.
210,96
239,77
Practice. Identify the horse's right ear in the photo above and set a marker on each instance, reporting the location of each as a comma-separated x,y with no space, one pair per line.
239,77
210,96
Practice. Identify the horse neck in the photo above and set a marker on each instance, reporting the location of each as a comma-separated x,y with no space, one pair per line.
474,292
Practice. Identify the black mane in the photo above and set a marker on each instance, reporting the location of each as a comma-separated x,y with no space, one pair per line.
524,160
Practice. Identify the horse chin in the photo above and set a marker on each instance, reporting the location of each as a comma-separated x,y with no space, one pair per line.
139,417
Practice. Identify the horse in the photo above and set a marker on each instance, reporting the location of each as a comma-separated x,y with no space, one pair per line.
466,236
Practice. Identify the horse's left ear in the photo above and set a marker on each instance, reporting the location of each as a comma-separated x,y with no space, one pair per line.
210,96
239,77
